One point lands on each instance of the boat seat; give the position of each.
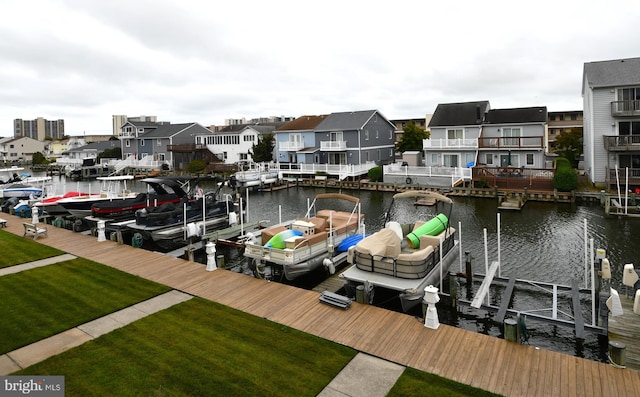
(382, 243)
(268, 233)
(320, 223)
(310, 240)
(434, 241)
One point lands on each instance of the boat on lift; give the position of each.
(410, 253)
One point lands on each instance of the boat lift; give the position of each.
(553, 314)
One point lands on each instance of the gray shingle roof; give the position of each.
(345, 121)
(98, 146)
(167, 130)
(536, 114)
(612, 73)
(464, 113)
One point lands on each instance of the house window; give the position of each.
(159, 142)
(630, 98)
(574, 117)
(435, 159)
(509, 160)
(488, 159)
(512, 134)
(561, 117)
(390, 134)
(450, 160)
(366, 135)
(552, 117)
(127, 143)
(529, 158)
(469, 158)
(455, 133)
(629, 128)
(377, 136)
(391, 153)
(142, 142)
(243, 156)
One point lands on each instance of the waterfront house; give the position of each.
(149, 144)
(20, 149)
(611, 100)
(232, 144)
(513, 138)
(343, 144)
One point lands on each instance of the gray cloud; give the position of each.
(206, 61)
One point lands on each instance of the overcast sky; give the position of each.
(205, 61)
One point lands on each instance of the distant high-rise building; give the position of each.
(38, 129)
(120, 119)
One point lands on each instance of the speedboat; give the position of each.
(21, 187)
(51, 206)
(172, 224)
(20, 191)
(112, 188)
(299, 246)
(403, 257)
(160, 190)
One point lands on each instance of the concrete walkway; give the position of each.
(38, 263)
(365, 375)
(41, 350)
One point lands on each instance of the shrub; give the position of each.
(565, 179)
(375, 174)
(196, 166)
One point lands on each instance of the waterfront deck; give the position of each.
(479, 360)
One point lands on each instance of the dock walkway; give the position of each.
(479, 360)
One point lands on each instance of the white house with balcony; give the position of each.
(611, 125)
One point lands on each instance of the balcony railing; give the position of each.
(524, 142)
(622, 143)
(186, 147)
(449, 143)
(625, 108)
(613, 177)
(333, 145)
(290, 146)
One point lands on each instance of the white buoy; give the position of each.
(606, 269)
(630, 276)
(101, 235)
(210, 249)
(431, 298)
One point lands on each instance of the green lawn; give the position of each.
(199, 348)
(17, 249)
(418, 383)
(41, 302)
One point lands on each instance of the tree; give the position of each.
(412, 138)
(569, 145)
(263, 150)
(38, 158)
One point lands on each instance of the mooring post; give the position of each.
(453, 290)
(467, 267)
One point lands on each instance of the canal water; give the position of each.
(542, 242)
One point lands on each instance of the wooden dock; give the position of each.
(626, 329)
(479, 360)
